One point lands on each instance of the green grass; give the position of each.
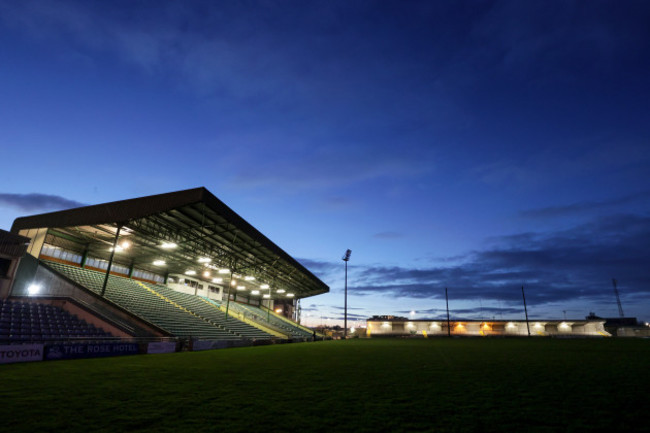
(355, 385)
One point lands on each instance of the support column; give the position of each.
(110, 261)
(228, 299)
(84, 257)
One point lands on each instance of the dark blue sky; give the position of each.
(474, 145)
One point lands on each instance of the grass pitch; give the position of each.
(338, 386)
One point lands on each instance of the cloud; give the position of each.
(562, 266)
(38, 202)
(388, 235)
(319, 266)
(584, 207)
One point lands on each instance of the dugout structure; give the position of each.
(188, 241)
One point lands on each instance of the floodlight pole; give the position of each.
(110, 260)
(525, 310)
(346, 259)
(448, 322)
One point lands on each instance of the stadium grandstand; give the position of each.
(176, 267)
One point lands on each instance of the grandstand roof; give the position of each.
(198, 222)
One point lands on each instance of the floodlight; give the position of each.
(205, 260)
(206, 274)
(278, 310)
(267, 296)
(125, 244)
(217, 280)
(224, 271)
(249, 278)
(280, 290)
(241, 287)
(168, 245)
(290, 295)
(33, 289)
(159, 263)
(346, 257)
(264, 286)
(255, 292)
(190, 272)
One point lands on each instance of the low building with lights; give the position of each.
(485, 328)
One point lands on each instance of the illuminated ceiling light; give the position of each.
(249, 278)
(159, 263)
(125, 244)
(255, 292)
(217, 280)
(224, 271)
(233, 283)
(279, 310)
(290, 295)
(168, 245)
(264, 286)
(190, 272)
(267, 296)
(206, 274)
(33, 289)
(205, 260)
(241, 287)
(280, 290)
(118, 249)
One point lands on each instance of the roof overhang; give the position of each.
(198, 222)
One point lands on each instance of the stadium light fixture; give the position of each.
(278, 310)
(33, 289)
(217, 280)
(117, 249)
(280, 290)
(159, 263)
(205, 259)
(224, 271)
(267, 296)
(125, 244)
(233, 283)
(190, 272)
(168, 245)
(290, 295)
(241, 288)
(249, 278)
(264, 286)
(346, 259)
(255, 292)
(206, 274)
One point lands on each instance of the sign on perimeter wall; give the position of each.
(74, 351)
(21, 353)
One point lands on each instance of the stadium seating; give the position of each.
(212, 313)
(179, 314)
(263, 316)
(22, 322)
